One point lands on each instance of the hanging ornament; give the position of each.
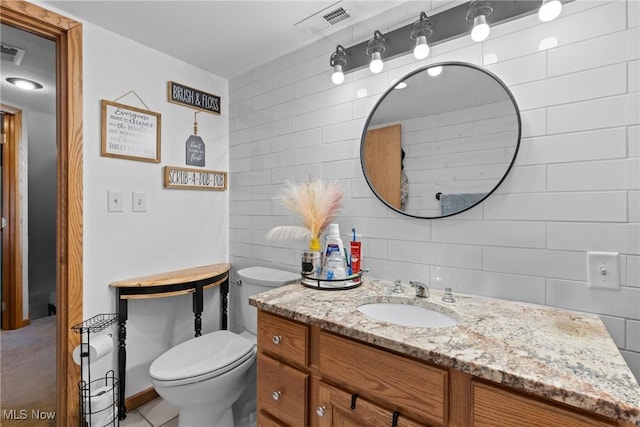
(195, 146)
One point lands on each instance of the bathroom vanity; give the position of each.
(322, 362)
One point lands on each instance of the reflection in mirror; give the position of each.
(443, 143)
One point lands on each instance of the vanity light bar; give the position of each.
(447, 25)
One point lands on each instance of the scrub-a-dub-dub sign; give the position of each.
(130, 133)
(194, 179)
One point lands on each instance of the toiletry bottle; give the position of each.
(335, 269)
(334, 244)
(356, 257)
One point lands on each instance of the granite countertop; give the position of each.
(564, 356)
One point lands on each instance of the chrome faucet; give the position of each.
(422, 290)
(397, 287)
(448, 296)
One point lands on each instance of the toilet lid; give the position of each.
(266, 276)
(206, 356)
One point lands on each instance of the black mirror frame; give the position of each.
(424, 69)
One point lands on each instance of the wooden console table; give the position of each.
(191, 280)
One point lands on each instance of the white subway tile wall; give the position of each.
(574, 188)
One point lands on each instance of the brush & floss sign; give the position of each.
(198, 100)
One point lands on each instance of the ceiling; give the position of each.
(224, 37)
(38, 64)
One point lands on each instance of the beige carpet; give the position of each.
(28, 374)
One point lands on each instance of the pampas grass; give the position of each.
(315, 202)
(288, 232)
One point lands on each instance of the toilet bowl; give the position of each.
(204, 376)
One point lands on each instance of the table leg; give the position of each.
(197, 308)
(224, 304)
(122, 354)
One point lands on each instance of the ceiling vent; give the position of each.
(326, 18)
(12, 53)
(336, 15)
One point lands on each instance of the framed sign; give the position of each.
(130, 133)
(194, 179)
(193, 98)
(195, 149)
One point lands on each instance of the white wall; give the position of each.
(181, 228)
(575, 185)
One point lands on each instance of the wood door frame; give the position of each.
(382, 161)
(12, 315)
(67, 34)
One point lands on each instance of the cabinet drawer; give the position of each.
(282, 391)
(496, 407)
(414, 389)
(265, 420)
(283, 338)
(337, 408)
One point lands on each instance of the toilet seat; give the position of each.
(202, 358)
(249, 336)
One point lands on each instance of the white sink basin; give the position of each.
(407, 315)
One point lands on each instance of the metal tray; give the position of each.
(351, 282)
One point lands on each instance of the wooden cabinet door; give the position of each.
(282, 391)
(408, 386)
(496, 407)
(336, 410)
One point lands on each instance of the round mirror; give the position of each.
(441, 140)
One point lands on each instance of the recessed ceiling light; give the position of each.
(24, 83)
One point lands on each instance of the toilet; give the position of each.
(204, 376)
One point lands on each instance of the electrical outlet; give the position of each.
(115, 202)
(603, 270)
(139, 202)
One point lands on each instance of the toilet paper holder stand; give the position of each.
(98, 398)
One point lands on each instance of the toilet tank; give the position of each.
(255, 280)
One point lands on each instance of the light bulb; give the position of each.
(338, 76)
(548, 43)
(376, 64)
(362, 93)
(549, 10)
(490, 58)
(480, 29)
(437, 278)
(421, 50)
(435, 71)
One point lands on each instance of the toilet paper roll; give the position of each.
(99, 408)
(98, 347)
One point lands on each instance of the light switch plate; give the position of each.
(603, 270)
(139, 202)
(115, 203)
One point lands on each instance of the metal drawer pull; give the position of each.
(394, 420)
(276, 339)
(320, 410)
(354, 397)
(276, 395)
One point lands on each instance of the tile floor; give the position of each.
(156, 413)
(159, 413)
